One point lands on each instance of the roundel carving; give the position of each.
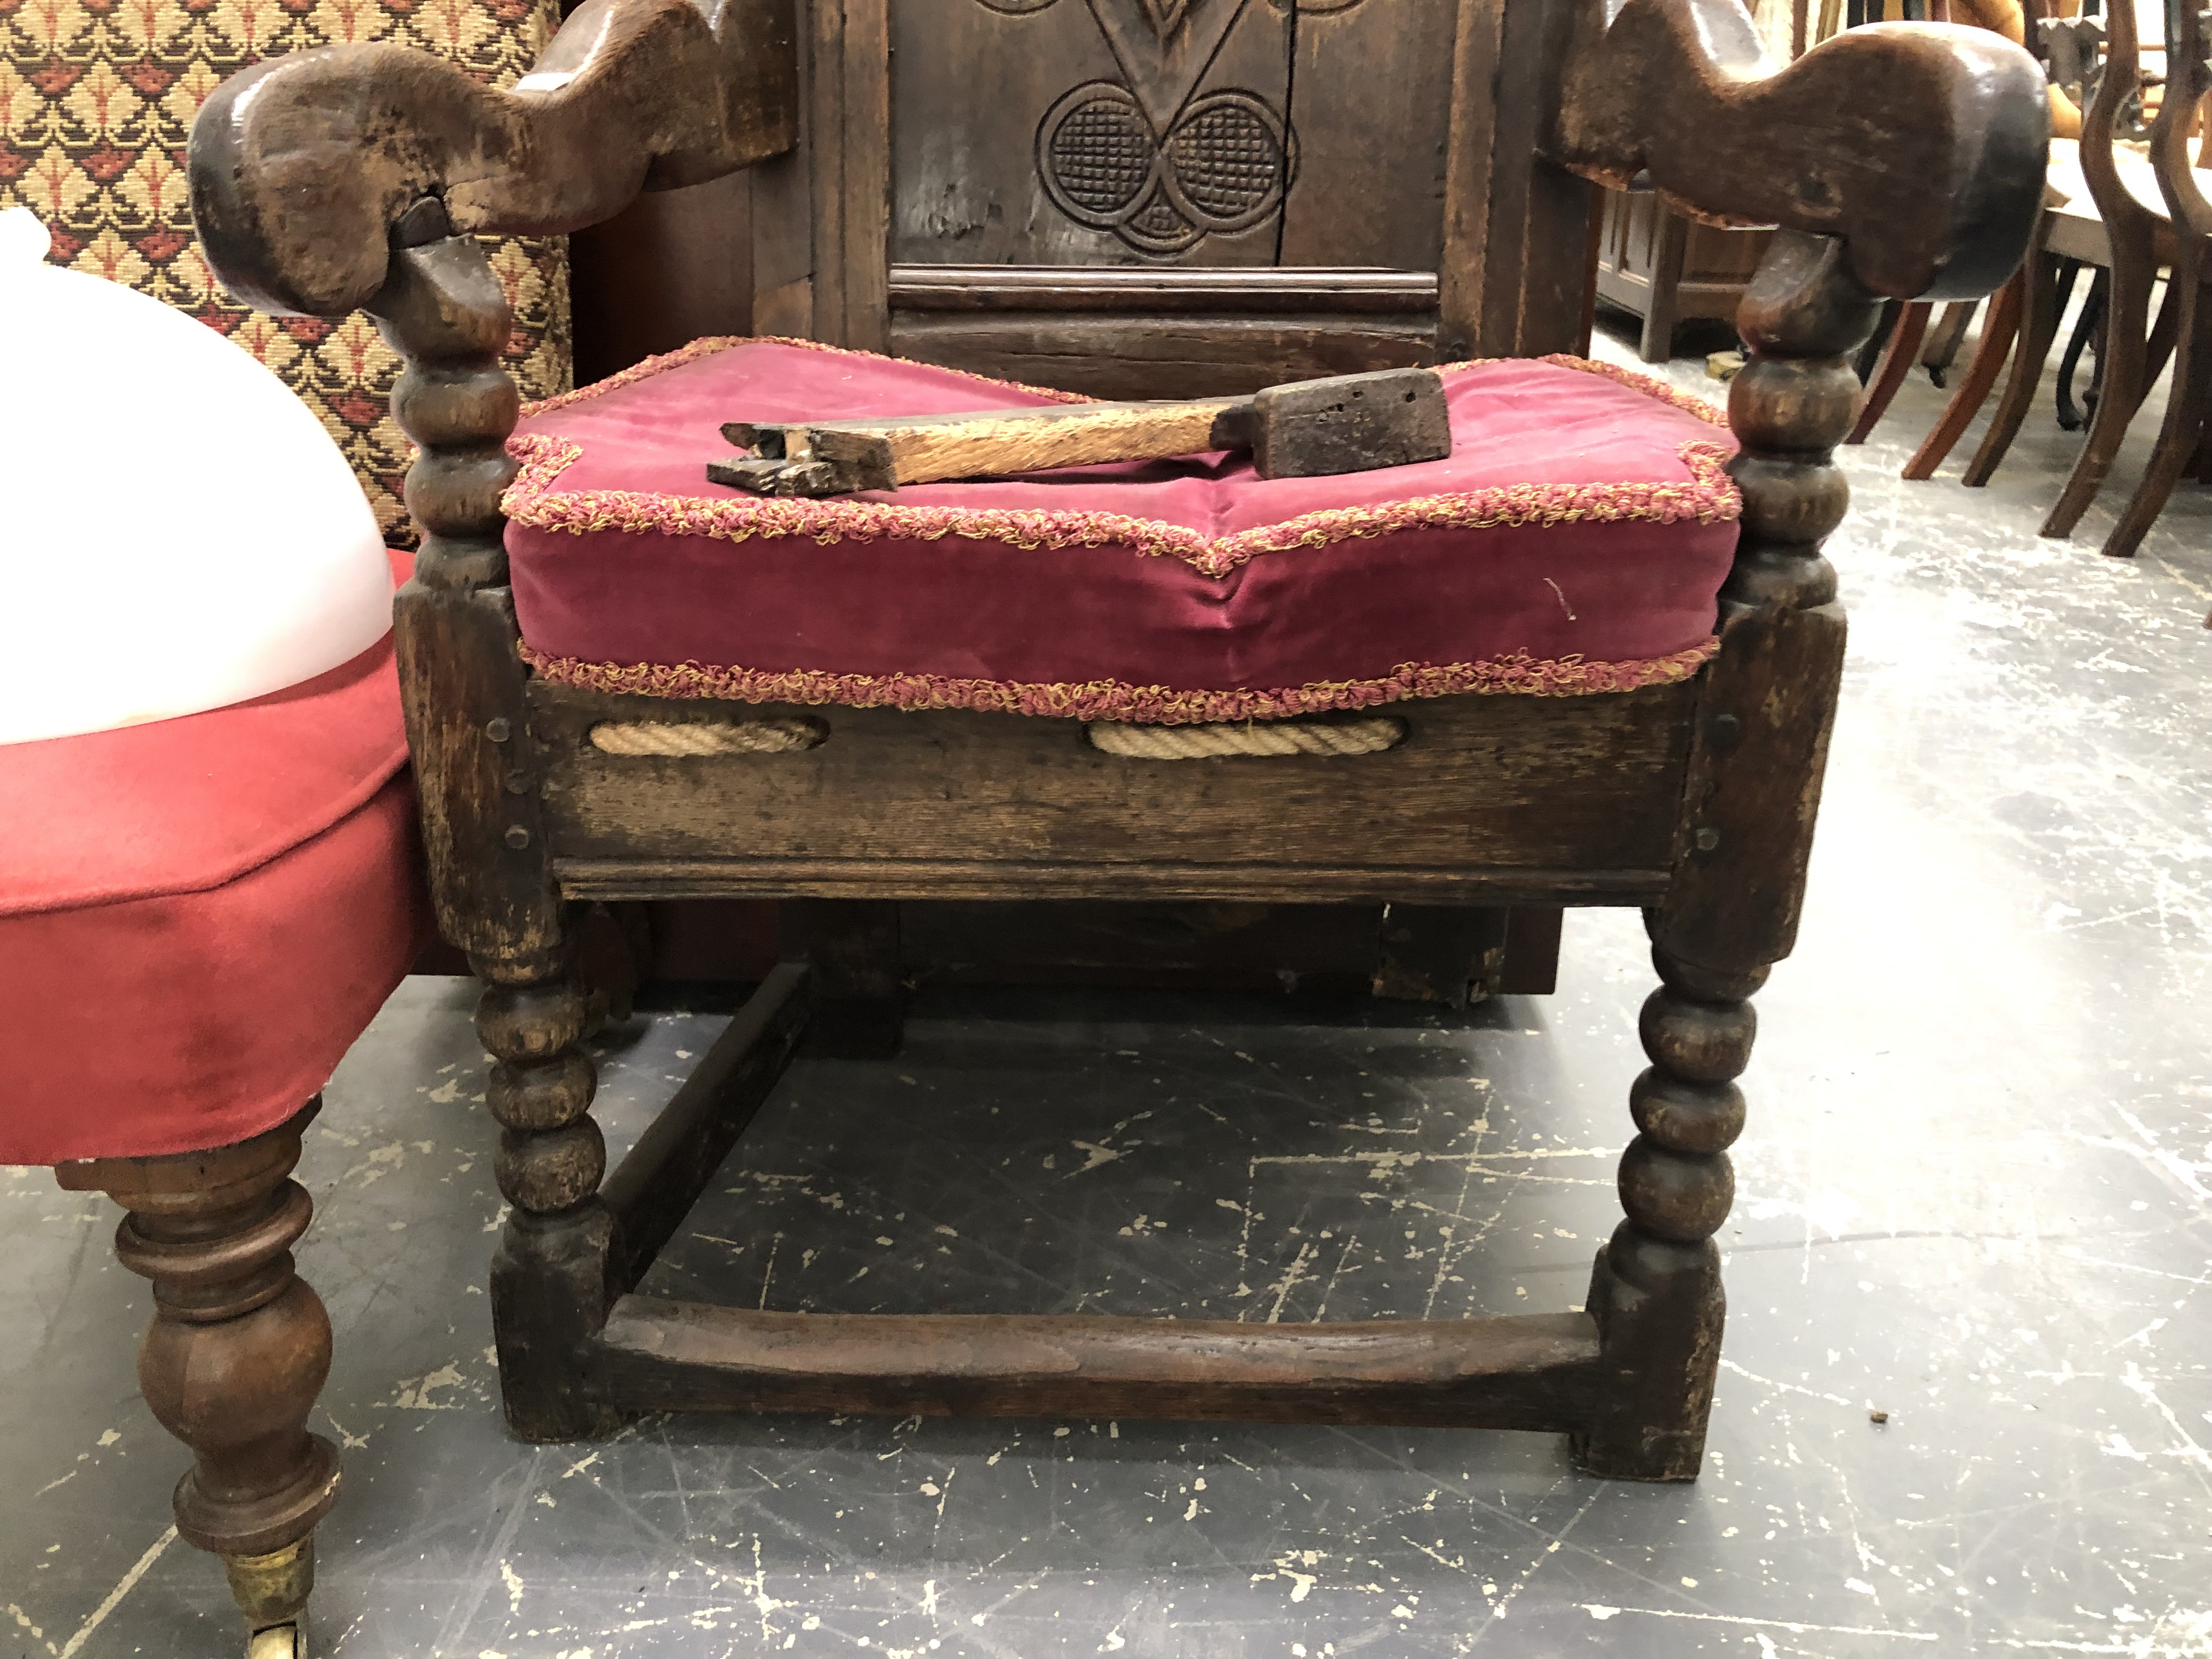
(1148, 157)
(1224, 165)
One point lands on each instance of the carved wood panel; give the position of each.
(1128, 131)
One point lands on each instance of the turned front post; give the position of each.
(479, 769)
(1754, 787)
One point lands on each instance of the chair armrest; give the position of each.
(1922, 145)
(302, 166)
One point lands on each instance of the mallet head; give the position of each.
(1348, 423)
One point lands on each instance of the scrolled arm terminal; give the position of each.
(300, 166)
(1923, 146)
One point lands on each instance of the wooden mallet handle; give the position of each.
(1346, 423)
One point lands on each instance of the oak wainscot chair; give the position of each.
(641, 686)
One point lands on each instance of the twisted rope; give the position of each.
(1364, 737)
(739, 737)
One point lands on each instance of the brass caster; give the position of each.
(271, 1590)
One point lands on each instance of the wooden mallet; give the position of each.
(1346, 423)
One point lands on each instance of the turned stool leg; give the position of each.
(549, 1277)
(237, 1350)
(1657, 1293)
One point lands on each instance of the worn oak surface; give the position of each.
(1516, 783)
(1534, 1371)
(1935, 209)
(1339, 423)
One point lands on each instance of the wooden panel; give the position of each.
(1056, 164)
(867, 175)
(1516, 228)
(1270, 947)
(848, 95)
(1503, 784)
(1715, 263)
(999, 879)
(1164, 291)
(825, 138)
(1188, 946)
(1161, 356)
(1154, 332)
(1531, 1371)
(1370, 191)
(672, 266)
(1723, 257)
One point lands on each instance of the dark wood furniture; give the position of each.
(2189, 402)
(2093, 217)
(354, 177)
(237, 1351)
(1657, 263)
(2129, 218)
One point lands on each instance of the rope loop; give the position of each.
(1360, 736)
(784, 736)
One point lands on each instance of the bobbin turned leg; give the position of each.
(1655, 1293)
(1752, 792)
(237, 1351)
(549, 1276)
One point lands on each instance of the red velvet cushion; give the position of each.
(185, 1020)
(197, 916)
(1574, 541)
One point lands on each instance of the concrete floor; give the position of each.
(1975, 1194)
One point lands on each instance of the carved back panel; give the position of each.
(1140, 198)
(1180, 132)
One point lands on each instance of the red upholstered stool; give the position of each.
(197, 916)
(1573, 542)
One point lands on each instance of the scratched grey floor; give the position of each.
(1977, 1195)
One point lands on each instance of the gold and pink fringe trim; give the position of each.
(1688, 401)
(1519, 675)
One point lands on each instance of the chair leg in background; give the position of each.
(2038, 327)
(2187, 403)
(1897, 360)
(237, 1350)
(1999, 327)
(1671, 247)
(2163, 328)
(1869, 359)
(1946, 336)
(2070, 417)
(2122, 355)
